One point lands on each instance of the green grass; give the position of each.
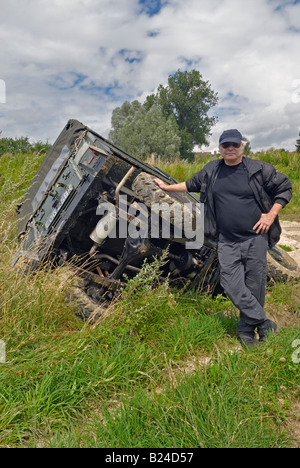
(163, 370)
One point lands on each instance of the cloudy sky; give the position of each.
(62, 59)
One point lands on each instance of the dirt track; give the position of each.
(290, 237)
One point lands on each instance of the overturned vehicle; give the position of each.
(96, 207)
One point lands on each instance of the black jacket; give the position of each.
(268, 185)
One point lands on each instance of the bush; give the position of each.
(21, 145)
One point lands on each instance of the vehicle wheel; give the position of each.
(149, 193)
(86, 308)
(92, 295)
(281, 266)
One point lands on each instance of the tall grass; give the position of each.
(163, 370)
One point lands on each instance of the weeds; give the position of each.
(127, 382)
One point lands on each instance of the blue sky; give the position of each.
(151, 7)
(82, 58)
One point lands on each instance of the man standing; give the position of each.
(242, 198)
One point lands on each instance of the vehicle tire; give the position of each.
(149, 193)
(85, 307)
(92, 295)
(281, 266)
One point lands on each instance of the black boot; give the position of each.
(265, 328)
(247, 340)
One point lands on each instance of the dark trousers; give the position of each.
(243, 268)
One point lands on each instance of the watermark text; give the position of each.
(2, 92)
(159, 221)
(296, 353)
(296, 93)
(2, 352)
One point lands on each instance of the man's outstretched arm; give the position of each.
(181, 187)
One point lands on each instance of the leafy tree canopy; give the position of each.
(21, 145)
(298, 145)
(247, 147)
(177, 112)
(144, 133)
(189, 99)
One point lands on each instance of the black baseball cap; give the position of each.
(232, 136)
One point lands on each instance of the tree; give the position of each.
(298, 145)
(188, 98)
(177, 112)
(14, 145)
(21, 145)
(247, 147)
(143, 133)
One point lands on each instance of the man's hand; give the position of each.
(181, 187)
(161, 184)
(267, 219)
(263, 225)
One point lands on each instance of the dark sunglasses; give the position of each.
(226, 145)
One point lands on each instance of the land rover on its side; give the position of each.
(81, 205)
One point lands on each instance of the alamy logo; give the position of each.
(180, 221)
(2, 352)
(2, 92)
(296, 93)
(296, 353)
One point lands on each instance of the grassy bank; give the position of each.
(164, 370)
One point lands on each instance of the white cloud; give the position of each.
(82, 58)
